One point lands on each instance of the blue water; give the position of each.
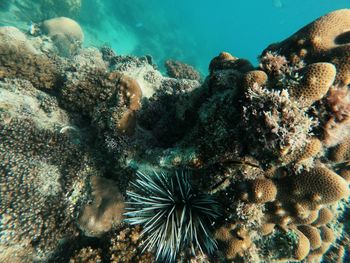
(194, 31)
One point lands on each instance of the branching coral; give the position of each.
(274, 122)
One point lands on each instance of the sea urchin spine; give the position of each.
(173, 214)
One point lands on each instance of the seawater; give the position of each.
(192, 31)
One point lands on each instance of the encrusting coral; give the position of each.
(270, 144)
(179, 70)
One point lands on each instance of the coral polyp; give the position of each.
(173, 213)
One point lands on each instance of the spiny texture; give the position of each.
(173, 214)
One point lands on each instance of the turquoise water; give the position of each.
(195, 31)
(190, 31)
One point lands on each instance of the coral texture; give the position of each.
(257, 158)
(179, 70)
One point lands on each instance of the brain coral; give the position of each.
(65, 33)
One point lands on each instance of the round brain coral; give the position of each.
(262, 191)
(315, 82)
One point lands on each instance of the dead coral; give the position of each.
(336, 127)
(87, 255)
(110, 100)
(273, 63)
(42, 172)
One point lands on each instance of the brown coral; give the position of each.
(255, 76)
(318, 186)
(180, 70)
(326, 39)
(313, 234)
(303, 247)
(262, 191)
(341, 152)
(105, 210)
(234, 240)
(324, 216)
(226, 61)
(315, 81)
(19, 59)
(130, 97)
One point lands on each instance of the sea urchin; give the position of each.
(173, 213)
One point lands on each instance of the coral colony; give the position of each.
(266, 151)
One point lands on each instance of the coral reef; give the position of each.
(179, 70)
(66, 34)
(19, 59)
(42, 173)
(252, 165)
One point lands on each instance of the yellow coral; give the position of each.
(316, 81)
(341, 152)
(313, 234)
(254, 76)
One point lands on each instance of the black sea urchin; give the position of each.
(173, 214)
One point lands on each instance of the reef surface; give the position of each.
(104, 159)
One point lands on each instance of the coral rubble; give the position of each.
(267, 149)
